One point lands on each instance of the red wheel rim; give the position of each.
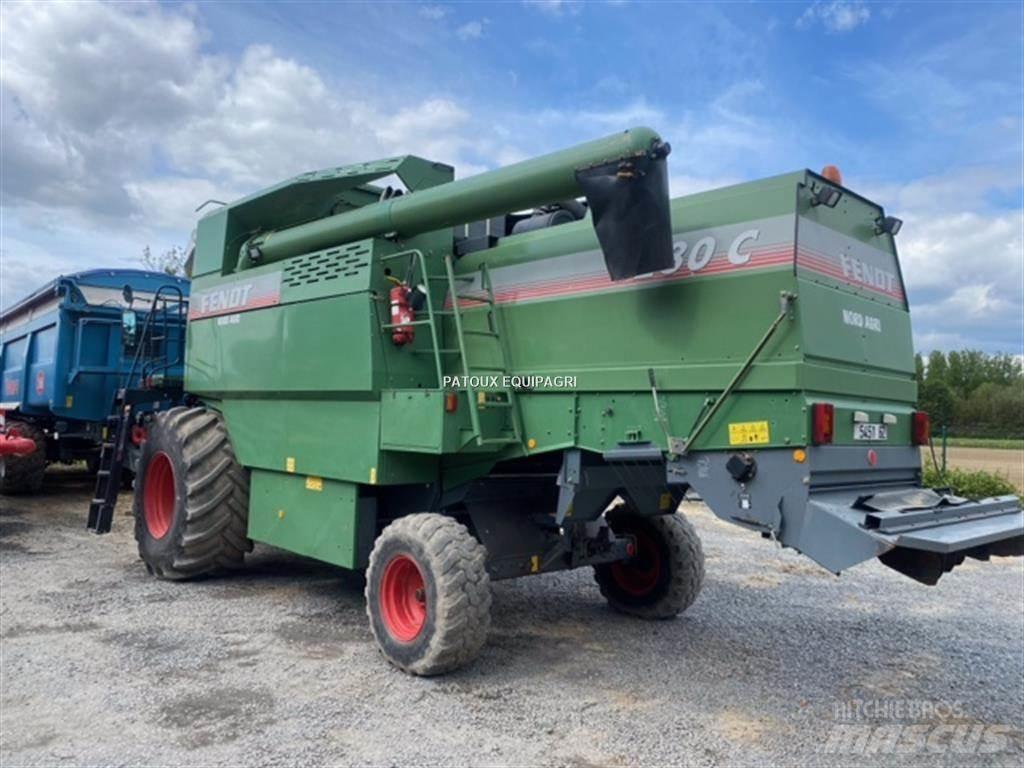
(639, 575)
(159, 495)
(403, 600)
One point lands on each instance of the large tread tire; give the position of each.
(455, 587)
(649, 592)
(24, 474)
(191, 498)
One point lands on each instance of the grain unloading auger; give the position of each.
(445, 390)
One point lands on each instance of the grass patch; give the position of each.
(1006, 443)
(974, 484)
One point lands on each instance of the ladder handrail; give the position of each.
(495, 330)
(180, 303)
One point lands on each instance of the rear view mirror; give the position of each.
(128, 294)
(129, 327)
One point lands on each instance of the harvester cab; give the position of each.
(443, 390)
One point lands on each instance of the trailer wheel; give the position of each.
(665, 575)
(192, 497)
(428, 595)
(24, 474)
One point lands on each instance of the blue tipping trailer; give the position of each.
(65, 352)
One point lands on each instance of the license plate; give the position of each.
(870, 431)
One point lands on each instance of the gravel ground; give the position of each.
(102, 664)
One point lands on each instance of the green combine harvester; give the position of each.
(452, 382)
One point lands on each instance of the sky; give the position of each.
(119, 119)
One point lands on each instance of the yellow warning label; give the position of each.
(373, 475)
(69, 401)
(665, 502)
(314, 483)
(289, 464)
(749, 433)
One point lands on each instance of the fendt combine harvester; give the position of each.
(436, 387)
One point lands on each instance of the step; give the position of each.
(482, 298)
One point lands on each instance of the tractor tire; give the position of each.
(428, 595)
(192, 497)
(664, 577)
(24, 474)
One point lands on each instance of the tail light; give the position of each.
(823, 423)
(921, 428)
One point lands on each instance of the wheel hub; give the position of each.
(159, 495)
(403, 602)
(639, 575)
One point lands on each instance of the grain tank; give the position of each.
(525, 371)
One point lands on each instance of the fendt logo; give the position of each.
(238, 296)
(228, 298)
(857, 271)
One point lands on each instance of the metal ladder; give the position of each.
(117, 427)
(479, 398)
(112, 456)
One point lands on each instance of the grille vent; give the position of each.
(346, 261)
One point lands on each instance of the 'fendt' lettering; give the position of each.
(216, 301)
(226, 299)
(857, 271)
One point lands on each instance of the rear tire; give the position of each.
(664, 577)
(428, 595)
(24, 474)
(192, 497)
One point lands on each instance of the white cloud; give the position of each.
(942, 251)
(962, 258)
(95, 93)
(556, 7)
(835, 16)
(25, 266)
(434, 12)
(116, 119)
(471, 30)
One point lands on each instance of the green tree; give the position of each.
(170, 262)
(937, 367)
(937, 399)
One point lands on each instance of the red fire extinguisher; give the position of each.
(401, 312)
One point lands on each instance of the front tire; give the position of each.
(192, 497)
(24, 474)
(428, 595)
(664, 576)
